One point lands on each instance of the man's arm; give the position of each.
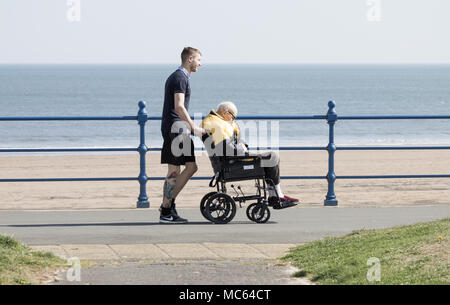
(184, 115)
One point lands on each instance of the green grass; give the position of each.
(415, 254)
(21, 265)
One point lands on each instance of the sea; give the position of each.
(303, 90)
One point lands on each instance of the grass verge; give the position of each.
(20, 265)
(414, 254)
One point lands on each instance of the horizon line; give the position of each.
(230, 63)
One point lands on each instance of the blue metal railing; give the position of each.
(331, 117)
(142, 149)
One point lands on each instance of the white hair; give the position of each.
(227, 105)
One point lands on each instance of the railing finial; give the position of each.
(331, 114)
(331, 104)
(142, 105)
(142, 113)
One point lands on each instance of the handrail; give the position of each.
(331, 117)
(393, 117)
(24, 150)
(142, 149)
(69, 118)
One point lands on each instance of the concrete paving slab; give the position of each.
(94, 251)
(231, 250)
(187, 251)
(273, 250)
(139, 251)
(167, 251)
(188, 272)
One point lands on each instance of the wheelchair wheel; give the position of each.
(203, 204)
(249, 210)
(260, 213)
(220, 208)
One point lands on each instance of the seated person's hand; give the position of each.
(242, 147)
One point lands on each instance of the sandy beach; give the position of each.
(123, 194)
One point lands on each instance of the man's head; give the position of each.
(227, 110)
(191, 59)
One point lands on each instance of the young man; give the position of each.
(176, 127)
(223, 139)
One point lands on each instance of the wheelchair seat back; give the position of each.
(235, 168)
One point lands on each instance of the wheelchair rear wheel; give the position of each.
(220, 208)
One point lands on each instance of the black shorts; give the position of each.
(182, 153)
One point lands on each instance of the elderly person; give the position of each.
(223, 139)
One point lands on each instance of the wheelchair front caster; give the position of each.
(220, 208)
(258, 212)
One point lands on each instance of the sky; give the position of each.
(232, 31)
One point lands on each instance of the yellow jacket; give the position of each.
(221, 133)
(220, 129)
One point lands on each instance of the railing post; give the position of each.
(142, 119)
(331, 176)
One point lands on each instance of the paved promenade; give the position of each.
(131, 236)
(141, 226)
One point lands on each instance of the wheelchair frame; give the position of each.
(219, 207)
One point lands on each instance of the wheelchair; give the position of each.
(220, 207)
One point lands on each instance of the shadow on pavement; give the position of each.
(128, 224)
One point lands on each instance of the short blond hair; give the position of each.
(188, 51)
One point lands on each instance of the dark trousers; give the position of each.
(271, 163)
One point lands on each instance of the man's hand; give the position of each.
(198, 131)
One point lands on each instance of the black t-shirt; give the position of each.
(178, 82)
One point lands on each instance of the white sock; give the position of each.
(278, 188)
(274, 191)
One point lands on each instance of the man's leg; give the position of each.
(184, 176)
(170, 185)
(271, 164)
(168, 212)
(175, 181)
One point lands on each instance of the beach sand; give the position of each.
(123, 194)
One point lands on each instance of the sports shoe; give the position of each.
(286, 197)
(169, 216)
(173, 209)
(280, 204)
(172, 219)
